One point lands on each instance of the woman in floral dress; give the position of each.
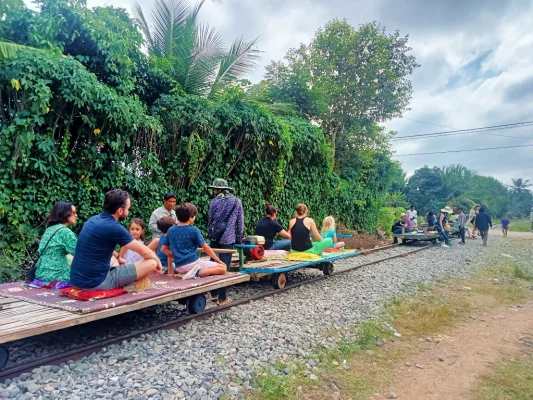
(57, 244)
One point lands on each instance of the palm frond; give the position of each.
(241, 59)
(138, 14)
(164, 25)
(204, 60)
(8, 50)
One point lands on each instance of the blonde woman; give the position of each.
(328, 231)
(472, 220)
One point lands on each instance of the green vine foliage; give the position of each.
(83, 111)
(66, 138)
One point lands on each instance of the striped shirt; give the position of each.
(461, 220)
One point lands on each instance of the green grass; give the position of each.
(510, 379)
(518, 225)
(522, 225)
(523, 272)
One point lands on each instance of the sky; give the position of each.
(475, 58)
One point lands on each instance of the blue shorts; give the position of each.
(118, 277)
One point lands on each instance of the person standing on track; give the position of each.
(441, 221)
(472, 219)
(482, 224)
(226, 227)
(167, 210)
(461, 220)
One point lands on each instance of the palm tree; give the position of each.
(455, 180)
(519, 185)
(194, 53)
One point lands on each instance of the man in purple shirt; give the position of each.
(406, 222)
(226, 227)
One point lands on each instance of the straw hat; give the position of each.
(447, 209)
(403, 215)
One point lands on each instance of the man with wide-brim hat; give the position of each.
(220, 184)
(226, 227)
(440, 223)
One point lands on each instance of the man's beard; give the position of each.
(122, 218)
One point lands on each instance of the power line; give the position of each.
(449, 127)
(464, 131)
(485, 132)
(463, 151)
(428, 123)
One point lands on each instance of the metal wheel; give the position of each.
(328, 268)
(433, 241)
(278, 281)
(4, 356)
(196, 304)
(404, 241)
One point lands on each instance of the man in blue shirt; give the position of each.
(91, 269)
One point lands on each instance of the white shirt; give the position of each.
(412, 213)
(156, 216)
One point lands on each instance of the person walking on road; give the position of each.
(482, 224)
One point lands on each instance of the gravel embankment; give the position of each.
(217, 356)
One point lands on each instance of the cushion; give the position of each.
(301, 256)
(91, 295)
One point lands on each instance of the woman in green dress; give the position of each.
(57, 244)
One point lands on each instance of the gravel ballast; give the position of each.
(217, 356)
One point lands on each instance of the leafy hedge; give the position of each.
(65, 135)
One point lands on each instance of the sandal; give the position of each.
(214, 299)
(222, 302)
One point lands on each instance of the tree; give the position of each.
(456, 179)
(360, 74)
(519, 185)
(193, 54)
(424, 189)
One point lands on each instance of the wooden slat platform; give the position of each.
(20, 319)
(260, 268)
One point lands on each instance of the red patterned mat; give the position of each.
(159, 285)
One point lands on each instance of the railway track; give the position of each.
(86, 350)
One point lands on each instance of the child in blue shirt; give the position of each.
(505, 224)
(164, 224)
(183, 240)
(328, 231)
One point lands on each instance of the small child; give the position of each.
(414, 223)
(138, 231)
(183, 240)
(164, 224)
(328, 231)
(505, 224)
